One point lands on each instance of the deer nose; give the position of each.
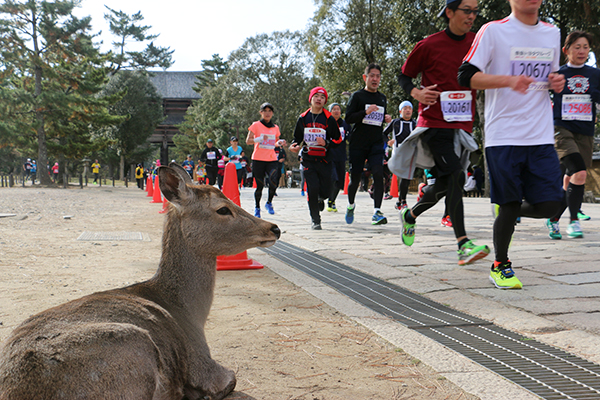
(276, 231)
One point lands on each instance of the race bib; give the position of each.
(375, 118)
(311, 135)
(211, 155)
(342, 133)
(268, 142)
(577, 107)
(535, 62)
(456, 106)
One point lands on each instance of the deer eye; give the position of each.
(224, 211)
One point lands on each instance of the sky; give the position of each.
(197, 29)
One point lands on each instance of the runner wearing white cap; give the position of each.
(400, 129)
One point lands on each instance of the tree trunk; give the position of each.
(42, 161)
(122, 167)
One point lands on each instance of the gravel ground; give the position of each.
(282, 342)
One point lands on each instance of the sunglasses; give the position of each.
(468, 11)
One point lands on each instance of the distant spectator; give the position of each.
(96, 171)
(139, 176)
(55, 172)
(201, 173)
(33, 171)
(27, 169)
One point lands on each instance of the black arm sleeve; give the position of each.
(465, 73)
(406, 83)
(354, 114)
(298, 132)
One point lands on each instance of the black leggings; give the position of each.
(573, 196)
(450, 186)
(265, 170)
(403, 186)
(504, 226)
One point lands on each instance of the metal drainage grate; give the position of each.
(544, 370)
(114, 236)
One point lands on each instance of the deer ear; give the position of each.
(172, 184)
(182, 172)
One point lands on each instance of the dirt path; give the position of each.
(282, 342)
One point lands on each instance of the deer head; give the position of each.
(211, 223)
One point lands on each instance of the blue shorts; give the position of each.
(530, 172)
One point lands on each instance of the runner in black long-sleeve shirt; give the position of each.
(367, 111)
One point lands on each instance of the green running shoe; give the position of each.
(553, 230)
(503, 277)
(574, 230)
(470, 253)
(408, 230)
(582, 217)
(331, 207)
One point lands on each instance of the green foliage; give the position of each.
(140, 109)
(272, 68)
(212, 70)
(51, 74)
(127, 28)
(347, 35)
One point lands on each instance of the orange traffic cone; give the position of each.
(165, 207)
(253, 183)
(346, 182)
(156, 198)
(230, 186)
(394, 186)
(149, 187)
(241, 260)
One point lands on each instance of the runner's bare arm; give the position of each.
(250, 138)
(426, 95)
(481, 81)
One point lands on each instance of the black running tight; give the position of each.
(504, 226)
(265, 173)
(450, 186)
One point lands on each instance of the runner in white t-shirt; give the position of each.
(515, 60)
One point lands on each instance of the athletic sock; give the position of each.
(465, 240)
(409, 218)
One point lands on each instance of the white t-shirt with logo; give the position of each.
(510, 47)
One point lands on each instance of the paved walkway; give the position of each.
(559, 304)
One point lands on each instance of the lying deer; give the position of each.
(144, 341)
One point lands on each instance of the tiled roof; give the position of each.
(175, 85)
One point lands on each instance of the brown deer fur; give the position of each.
(144, 341)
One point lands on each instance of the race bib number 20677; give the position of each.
(534, 62)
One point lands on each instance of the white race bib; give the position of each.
(535, 62)
(211, 155)
(342, 133)
(375, 118)
(456, 105)
(268, 142)
(311, 135)
(576, 107)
